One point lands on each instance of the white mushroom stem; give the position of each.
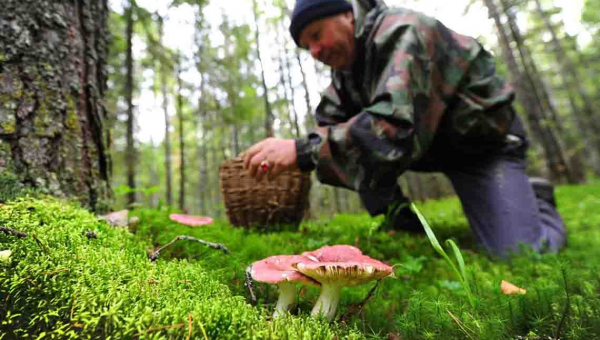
(328, 300)
(287, 298)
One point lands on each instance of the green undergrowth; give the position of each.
(74, 277)
(425, 300)
(106, 288)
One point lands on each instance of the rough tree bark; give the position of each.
(52, 83)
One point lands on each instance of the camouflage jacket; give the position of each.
(412, 79)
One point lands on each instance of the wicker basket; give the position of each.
(282, 201)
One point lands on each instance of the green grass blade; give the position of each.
(459, 257)
(460, 274)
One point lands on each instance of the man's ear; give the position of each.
(349, 16)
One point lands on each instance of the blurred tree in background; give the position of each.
(243, 80)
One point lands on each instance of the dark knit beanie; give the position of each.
(307, 11)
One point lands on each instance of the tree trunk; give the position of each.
(557, 161)
(522, 87)
(587, 123)
(165, 106)
(268, 113)
(182, 178)
(154, 182)
(309, 121)
(130, 152)
(293, 111)
(203, 187)
(282, 80)
(203, 184)
(235, 140)
(215, 158)
(52, 85)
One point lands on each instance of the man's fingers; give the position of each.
(274, 171)
(250, 153)
(254, 163)
(260, 173)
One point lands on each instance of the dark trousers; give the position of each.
(497, 199)
(502, 209)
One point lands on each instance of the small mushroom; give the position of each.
(191, 221)
(279, 270)
(117, 219)
(5, 255)
(336, 267)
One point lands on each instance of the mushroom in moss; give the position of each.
(191, 221)
(336, 267)
(5, 255)
(279, 270)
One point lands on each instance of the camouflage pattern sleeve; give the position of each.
(414, 70)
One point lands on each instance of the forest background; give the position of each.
(137, 103)
(130, 103)
(200, 71)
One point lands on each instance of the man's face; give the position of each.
(331, 40)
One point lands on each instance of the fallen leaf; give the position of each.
(392, 336)
(508, 288)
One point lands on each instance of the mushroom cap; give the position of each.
(337, 253)
(189, 220)
(342, 264)
(279, 268)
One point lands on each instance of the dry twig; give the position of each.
(160, 328)
(13, 232)
(189, 326)
(154, 256)
(357, 308)
(249, 283)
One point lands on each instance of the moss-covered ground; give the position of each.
(63, 284)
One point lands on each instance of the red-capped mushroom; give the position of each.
(189, 220)
(279, 270)
(337, 267)
(340, 252)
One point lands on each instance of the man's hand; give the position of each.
(270, 157)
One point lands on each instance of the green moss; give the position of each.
(9, 104)
(48, 67)
(11, 187)
(105, 287)
(68, 286)
(71, 122)
(7, 122)
(415, 306)
(16, 86)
